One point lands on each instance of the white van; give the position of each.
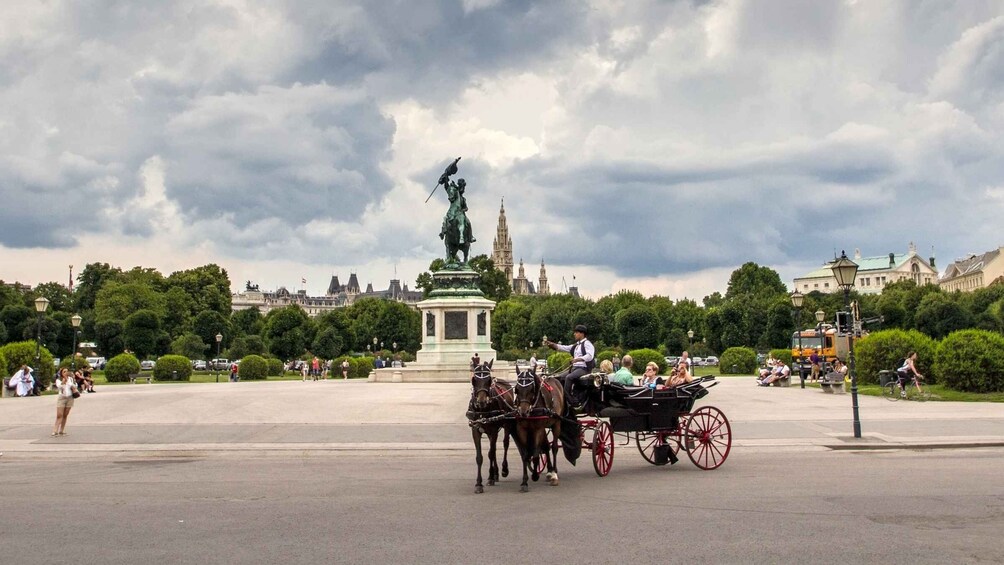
(96, 362)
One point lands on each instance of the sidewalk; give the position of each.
(286, 417)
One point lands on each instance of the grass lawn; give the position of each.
(197, 377)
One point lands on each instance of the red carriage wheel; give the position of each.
(603, 449)
(709, 437)
(648, 441)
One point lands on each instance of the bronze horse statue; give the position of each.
(540, 402)
(491, 400)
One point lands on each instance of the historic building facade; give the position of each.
(873, 273)
(975, 271)
(502, 257)
(337, 296)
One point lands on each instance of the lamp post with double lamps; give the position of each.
(845, 271)
(41, 305)
(75, 322)
(797, 298)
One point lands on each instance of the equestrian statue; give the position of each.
(456, 230)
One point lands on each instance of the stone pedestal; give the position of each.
(456, 324)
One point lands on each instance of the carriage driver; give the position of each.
(583, 359)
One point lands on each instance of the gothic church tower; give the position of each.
(542, 288)
(502, 246)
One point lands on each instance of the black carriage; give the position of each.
(661, 422)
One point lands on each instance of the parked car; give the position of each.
(220, 364)
(697, 361)
(711, 360)
(199, 365)
(672, 360)
(97, 363)
(146, 365)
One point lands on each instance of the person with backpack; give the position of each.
(583, 360)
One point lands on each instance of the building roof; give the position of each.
(880, 263)
(971, 264)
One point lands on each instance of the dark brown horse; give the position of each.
(491, 400)
(540, 403)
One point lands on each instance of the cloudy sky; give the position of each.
(653, 145)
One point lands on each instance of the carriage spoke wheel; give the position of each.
(648, 441)
(603, 449)
(709, 432)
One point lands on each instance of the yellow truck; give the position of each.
(825, 341)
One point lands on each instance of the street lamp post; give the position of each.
(797, 298)
(216, 365)
(845, 271)
(375, 341)
(75, 322)
(41, 305)
(690, 345)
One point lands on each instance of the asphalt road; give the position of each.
(761, 506)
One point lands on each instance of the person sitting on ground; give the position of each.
(908, 370)
(84, 380)
(652, 378)
(624, 375)
(22, 382)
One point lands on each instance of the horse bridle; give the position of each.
(528, 379)
(494, 391)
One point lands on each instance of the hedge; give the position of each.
(883, 350)
(782, 354)
(971, 361)
(557, 361)
(359, 367)
(607, 354)
(743, 358)
(118, 368)
(642, 357)
(274, 367)
(23, 353)
(67, 363)
(172, 367)
(253, 368)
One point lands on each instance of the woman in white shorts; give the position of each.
(67, 386)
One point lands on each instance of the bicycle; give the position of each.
(891, 391)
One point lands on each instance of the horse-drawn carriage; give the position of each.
(660, 422)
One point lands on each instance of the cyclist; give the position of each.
(908, 369)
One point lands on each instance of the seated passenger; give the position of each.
(680, 376)
(624, 375)
(607, 367)
(652, 378)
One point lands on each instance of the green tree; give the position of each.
(189, 345)
(940, 314)
(23, 353)
(89, 282)
(511, 326)
(328, 344)
(780, 325)
(638, 327)
(553, 318)
(18, 319)
(209, 323)
(365, 315)
(398, 323)
(116, 301)
(248, 321)
(208, 285)
(59, 297)
(142, 333)
(753, 280)
(494, 282)
(284, 332)
(109, 338)
(178, 311)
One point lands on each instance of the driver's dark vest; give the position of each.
(591, 364)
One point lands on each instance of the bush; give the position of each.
(118, 368)
(884, 350)
(643, 356)
(608, 354)
(406, 357)
(558, 361)
(361, 367)
(971, 361)
(172, 367)
(742, 358)
(782, 354)
(274, 367)
(23, 353)
(67, 363)
(509, 355)
(253, 368)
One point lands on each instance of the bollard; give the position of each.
(174, 375)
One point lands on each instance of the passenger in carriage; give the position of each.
(607, 366)
(624, 375)
(680, 376)
(652, 378)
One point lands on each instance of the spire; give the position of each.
(502, 246)
(542, 287)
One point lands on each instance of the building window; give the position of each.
(825, 285)
(816, 285)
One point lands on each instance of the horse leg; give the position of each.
(493, 466)
(524, 455)
(535, 455)
(476, 433)
(505, 452)
(553, 463)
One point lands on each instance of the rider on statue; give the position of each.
(456, 231)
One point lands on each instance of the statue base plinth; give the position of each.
(456, 282)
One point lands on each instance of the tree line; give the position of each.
(150, 314)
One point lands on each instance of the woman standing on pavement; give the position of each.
(67, 387)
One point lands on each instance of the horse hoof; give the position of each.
(535, 477)
(505, 472)
(479, 489)
(491, 482)
(524, 488)
(554, 481)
